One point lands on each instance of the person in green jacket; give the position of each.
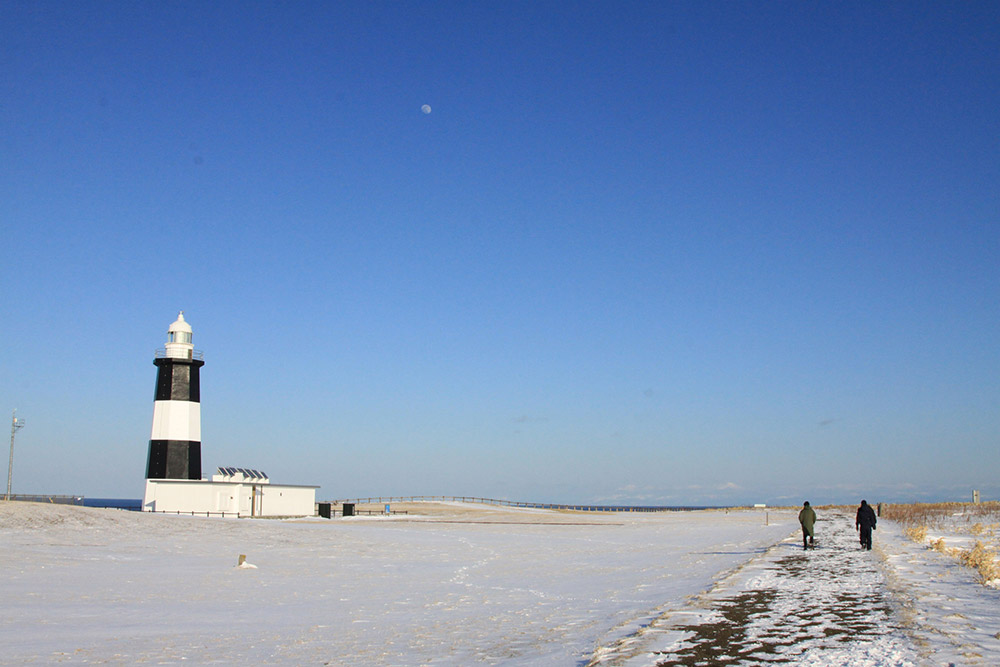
(807, 517)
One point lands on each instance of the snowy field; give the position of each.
(454, 585)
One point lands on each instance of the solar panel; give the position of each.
(246, 473)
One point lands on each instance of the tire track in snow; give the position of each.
(824, 606)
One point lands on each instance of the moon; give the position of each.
(426, 108)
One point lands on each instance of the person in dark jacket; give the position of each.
(807, 517)
(865, 524)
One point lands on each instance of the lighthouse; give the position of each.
(173, 469)
(175, 441)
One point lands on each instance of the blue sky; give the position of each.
(656, 253)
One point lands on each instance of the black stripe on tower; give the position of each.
(174, 459)
(178, 379)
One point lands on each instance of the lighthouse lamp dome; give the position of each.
(179, 343)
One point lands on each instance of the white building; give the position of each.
(232, 492)
(173, 467)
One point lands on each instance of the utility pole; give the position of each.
(15, 425)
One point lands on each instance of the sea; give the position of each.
(131, 504)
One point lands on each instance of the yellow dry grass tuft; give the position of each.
(982, 560)
(916, 533)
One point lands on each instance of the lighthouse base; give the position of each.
(174, 459)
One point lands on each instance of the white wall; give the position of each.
(280, 500)
(183, 496)
(201, 496)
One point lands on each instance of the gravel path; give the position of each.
(826, 606)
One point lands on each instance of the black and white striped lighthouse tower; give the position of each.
(175, 442)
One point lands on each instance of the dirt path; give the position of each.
(825, 606)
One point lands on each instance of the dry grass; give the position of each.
(981, 559)
(939, 514)
(916, 533)
(969, 519)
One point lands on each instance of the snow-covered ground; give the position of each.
(456, 586)
(953, 617)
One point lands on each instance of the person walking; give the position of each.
(807, 517)
(865, 524)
